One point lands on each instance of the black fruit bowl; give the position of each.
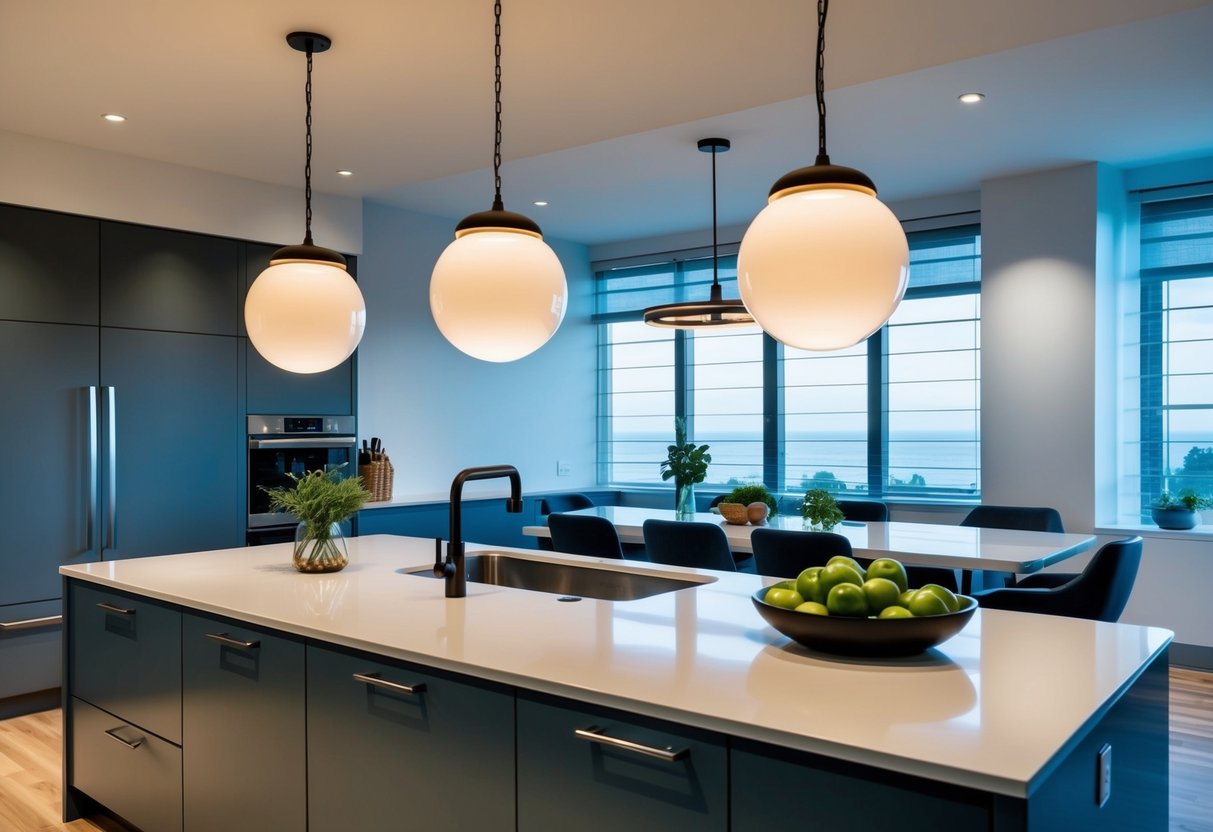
(873, 637)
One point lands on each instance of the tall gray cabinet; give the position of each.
(123, 378)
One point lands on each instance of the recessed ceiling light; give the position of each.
(114, 117)
(972, 98)
(540, 202)
(345, 173)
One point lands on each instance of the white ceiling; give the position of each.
(604, 101)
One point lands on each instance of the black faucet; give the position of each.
(453, 568)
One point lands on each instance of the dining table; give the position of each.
(966, 548)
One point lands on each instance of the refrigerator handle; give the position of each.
(111, 530)
(90, 514)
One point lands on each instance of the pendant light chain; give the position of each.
(307, 167)
(823, 6)
(497, 203)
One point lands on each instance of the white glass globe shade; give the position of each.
(304, 317)
(497, 294)
(823, 269)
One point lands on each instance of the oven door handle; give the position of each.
(317, 442)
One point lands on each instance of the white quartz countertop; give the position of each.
(988, 709)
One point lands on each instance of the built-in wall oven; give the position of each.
(279, 446)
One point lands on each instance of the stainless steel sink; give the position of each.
(567, 579)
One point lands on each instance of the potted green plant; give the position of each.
(751, 493)
(686, 464)
(321, 500)
(1178, 511)
(821, 510)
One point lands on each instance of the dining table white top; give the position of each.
(921, 544)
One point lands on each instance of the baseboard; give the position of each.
(1193, 656)
(28, 703)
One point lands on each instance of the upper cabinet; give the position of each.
(171, 281)
(274, 390)
(48, 267)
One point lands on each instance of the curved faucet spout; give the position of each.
(454, 570)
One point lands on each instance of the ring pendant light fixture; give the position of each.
(825, 263)
(498, 291)
(305, 313)
(716, 311)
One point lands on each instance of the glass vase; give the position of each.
(685, 505)
(319, 551)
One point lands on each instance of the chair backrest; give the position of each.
(717, 500)
(584, 535)
(677, 543)
(866, 511)
(1026, 518)
(563, 502)
(784, 553)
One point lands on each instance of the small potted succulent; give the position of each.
(821, 510)
(686, 464)
(1178, 511)
(321, 501)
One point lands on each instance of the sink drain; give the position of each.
(567, 598)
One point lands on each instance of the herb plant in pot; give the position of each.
(686, 464)
(321, 500)
(760, 503)
(1178, 511)
(821, 510)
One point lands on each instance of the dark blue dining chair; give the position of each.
(1099, 592)
(1026, 518)
(560, 502)
(586, 535)
(864, 511)
(784, 553)
(699, 545)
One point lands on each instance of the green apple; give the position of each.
(891, 569)
(895, 611)
(881, 593)
(924, 602)
(849, 561)
(809, 585)
(847, 599)
(789, 599)
(904, 598)
(834, 574)
(813, 608)
(946, 595)
(785, 585)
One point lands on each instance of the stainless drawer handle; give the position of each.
(375, 680)
(114, 609)
(224, 638)
(594, 734)
(112, 734)
(30, 623)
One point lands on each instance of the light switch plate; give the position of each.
(563, 468)
(1103, 776)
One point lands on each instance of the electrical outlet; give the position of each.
(1103, 775)
(563, 468)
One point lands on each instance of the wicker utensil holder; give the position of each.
(377, 478)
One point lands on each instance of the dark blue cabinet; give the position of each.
(393, 745)
(48, 267)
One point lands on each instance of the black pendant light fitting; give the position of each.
(716, 311)
(309, 43)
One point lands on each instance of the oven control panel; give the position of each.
(299, 425)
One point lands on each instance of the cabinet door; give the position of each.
(568, 781)
(379, 755)
(47, 370)
(180, 449)
(243, 728)
(48, 267)
(274, 390)
(168, 280)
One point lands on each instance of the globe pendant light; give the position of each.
(498, 291)
(716, 311)
(825, 263)
(305, 313)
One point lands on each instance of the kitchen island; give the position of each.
(485, 703)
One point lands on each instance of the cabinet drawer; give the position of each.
(131, 772)
(126, 657)
(574, 769)
(376, 751)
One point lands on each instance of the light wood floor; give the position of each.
(30, 749)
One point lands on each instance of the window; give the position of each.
(896, 415)
(1176, 347)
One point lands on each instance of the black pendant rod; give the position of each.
(823, 6)
(715, 255)
(307, 167)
